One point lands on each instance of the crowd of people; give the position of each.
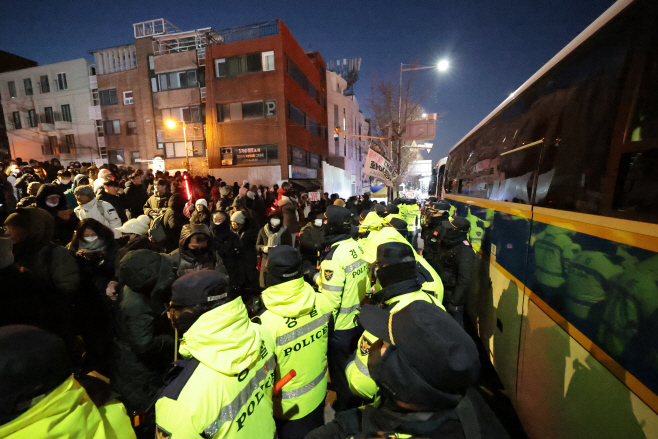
(141, 304)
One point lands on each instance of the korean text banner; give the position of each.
(378, 166)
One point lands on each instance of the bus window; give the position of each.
(645, 119)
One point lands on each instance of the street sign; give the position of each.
(158, 164)
(420, 130)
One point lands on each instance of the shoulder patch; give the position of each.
(176, 377)
(364, 346)
(328, 274)
(161, 433)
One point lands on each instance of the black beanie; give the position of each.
(33, 362)
(284, 264)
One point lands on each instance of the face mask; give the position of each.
(217, 224)
(90, 238)
(49, 204)
(275, 222)
(198, 251)
(65, 181)
(318, 223)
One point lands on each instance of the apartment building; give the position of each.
(46, 111)
(346, 154)
(266, 108)
(159, 77)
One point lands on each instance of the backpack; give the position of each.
(157, 232)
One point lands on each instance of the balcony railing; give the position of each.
(250, 32)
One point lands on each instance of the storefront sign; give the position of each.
(250, 154)
(302, 172)
(313, 160)
(297, 156)
(377, 166)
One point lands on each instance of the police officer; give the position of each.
(437, 213)
(425, 365)
(343, 279)
(40, 398)
(223, 388)
(454, 262)
(392, 232)
(395, 269)
(298, 318)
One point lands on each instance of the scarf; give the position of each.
(96, 246)
(274, 238)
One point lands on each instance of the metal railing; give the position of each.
(250, 32)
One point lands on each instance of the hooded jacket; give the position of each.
(284, 237)
(184, 261)
(52, 263)
(427, 275)
(298, 318)
(289, 209)
(71, 202)
(225, 390)
(108, 217)
(310, 240)
(68, 411)
(64, 228)
(372, 222)
(174, 220)
(143, 344)
(117, 201)
(228, 247)
(135, 196)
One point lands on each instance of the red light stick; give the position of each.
(283, 381)
(187, 187)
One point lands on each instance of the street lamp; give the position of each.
(171, 124)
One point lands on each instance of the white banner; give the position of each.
(314, 196)
(377, 166)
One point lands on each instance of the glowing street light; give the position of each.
(171, 124)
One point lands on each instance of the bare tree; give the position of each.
(391, 107)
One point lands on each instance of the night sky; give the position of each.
(493, 46)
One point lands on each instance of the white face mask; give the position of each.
(49, 204)
(66, 181)
(318, 223)
(216, 223)
(275, 222)
(90, 238)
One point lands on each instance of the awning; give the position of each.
(306, 185)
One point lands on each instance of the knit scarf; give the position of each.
(274, 238)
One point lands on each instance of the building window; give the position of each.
(11, 85)
(128, 97)
(247, 63)
(132, 128)
(252, 110)
(195, 148)
(27, 85)
(176, 80)
(313, 126)
(184, 114)
(134, 157)
(300, 78)
(223, 113)
(116, 156)
(268, 61)
(296, 115)
(48, 113)
(45, 85)
(69, 144)
(32, 118)
(61, 82)
(112, 127)
(17, 120)
(66, 113)
(108, 97)
(151, 63)
(51, 147)
(154, 84)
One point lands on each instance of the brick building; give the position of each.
(141, 85)
(266, 107)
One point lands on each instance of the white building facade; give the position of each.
(342, 170)
(47, 112)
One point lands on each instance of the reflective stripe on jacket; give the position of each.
(298, 319)
(229, 393)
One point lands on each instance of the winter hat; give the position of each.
(6, 256)
(134, 226)
(444, 357)
(245, 182)
(223, 191)
(392, 209)
(199, 287)
(201, 201)
(145, 219)
(104, 173)
(33, 188)
(242, 191)
(284, 264)
(458, 223)
(251, 195)
(238, 217)
(33, 362)
(339, 202)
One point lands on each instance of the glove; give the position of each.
(310, 274)
(266, 249)
(450, 308)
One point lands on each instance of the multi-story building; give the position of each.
(46, 109)
(266, 107)
(159, 77)
(346, 154)
(9, 62)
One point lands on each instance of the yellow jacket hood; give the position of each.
(290, 299)
(224, 339)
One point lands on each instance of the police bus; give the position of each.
(561, 184)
